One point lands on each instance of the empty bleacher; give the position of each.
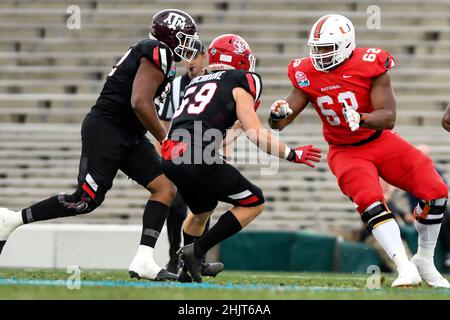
(50, 76)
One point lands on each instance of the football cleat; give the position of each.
(148, 269)
(429, 273)
(208, 270)
(173, 265)
(9, 221)
(407, 276)
(191, 262)
(211, 269)
(184, 276)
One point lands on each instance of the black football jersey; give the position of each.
(114, 102)
(209, 104)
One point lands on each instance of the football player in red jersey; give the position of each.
(446, 119)
(351, 91)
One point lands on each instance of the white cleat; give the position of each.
(429, 273)
(147, 269)
(9, 221)
(408, 275)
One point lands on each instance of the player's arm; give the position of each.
(296, 101)
(166, 125)
(446, 119)
(233, 133)
(146, 83)
(262, 138)
(383, 101)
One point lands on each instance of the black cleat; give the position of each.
(173, 265)
(134, 275)
(191, 262)
(184, 276)
(2, 244)
(163, 275)
(211, 269)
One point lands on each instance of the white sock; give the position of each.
(145, 252)
(388, 236)
(428, 235)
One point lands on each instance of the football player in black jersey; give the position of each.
(212, 104)
(113, 138)
(178, 209)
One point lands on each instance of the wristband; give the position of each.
(362, 119)
(274, 119)
(290, 156)
(287, 152)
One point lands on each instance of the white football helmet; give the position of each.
(334, 31)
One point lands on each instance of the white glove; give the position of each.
(280, 110)
(352, 117)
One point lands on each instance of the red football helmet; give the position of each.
(177, 29)
(230, 51)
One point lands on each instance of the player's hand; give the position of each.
(305, 155)
(280, 110)
(352, 117)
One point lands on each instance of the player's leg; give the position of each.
(188, 180)
(358, 179)
(445, 237)
(414, 172)
(143, 164)
(175, 219)
(100, 156)
(226, 184)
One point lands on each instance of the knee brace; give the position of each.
(80, 202)
(376, 214)
(430, 212)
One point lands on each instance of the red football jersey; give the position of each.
(350, 82)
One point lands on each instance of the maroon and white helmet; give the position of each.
(177, 29)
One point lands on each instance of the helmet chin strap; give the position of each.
(218, 67)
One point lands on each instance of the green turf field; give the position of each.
(45, 284)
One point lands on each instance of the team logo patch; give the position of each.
(175, 20)
(213, 51)
(239, 46)
(301, 79)
(172, 71)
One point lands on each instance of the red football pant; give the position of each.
(390, 157)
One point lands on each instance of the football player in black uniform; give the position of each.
(212, 103)
(113, 138)
(178, 209)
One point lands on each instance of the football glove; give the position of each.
(352, 117)
(280, 110)
(304, 155)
